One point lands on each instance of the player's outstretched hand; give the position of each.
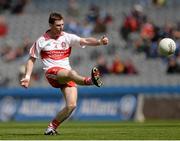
(25, 82)
(104, 40)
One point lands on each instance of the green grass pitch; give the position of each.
(74, 130)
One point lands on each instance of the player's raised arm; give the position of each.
(29, 67)
(93, 41)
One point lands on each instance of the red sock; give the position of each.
(54, 124)
(88, 81)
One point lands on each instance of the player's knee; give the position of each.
(72, 73)
(71, 107)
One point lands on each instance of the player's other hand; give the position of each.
(25, 82)
(104, 40)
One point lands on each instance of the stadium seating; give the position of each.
(34, 21)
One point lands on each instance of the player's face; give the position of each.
(58, 26)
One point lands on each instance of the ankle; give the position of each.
(54, 124)
(88, 81)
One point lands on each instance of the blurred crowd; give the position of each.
(142, 35)
(117, 66)
(95, 21)
(9, 52)
(138, 31)
(13, 6)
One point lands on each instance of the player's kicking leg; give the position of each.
(70, 75)
(70, 96)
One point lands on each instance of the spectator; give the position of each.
(139, 15)
(94, 54)
(93, 13)
(73, 26)
(10, 55)
(159, 3)
(130, 68)
(147, 30)
(86, 29)
(4, 5)
(3, 26)
(23, 49)
(178, 58)
(102, 65)
(105, 17)
(73, 8)
(18, 8)
(4, 81)
(173, 67)
(118, 66)
(100, 27)
(132, 22)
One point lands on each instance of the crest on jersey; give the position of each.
(63, 44)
